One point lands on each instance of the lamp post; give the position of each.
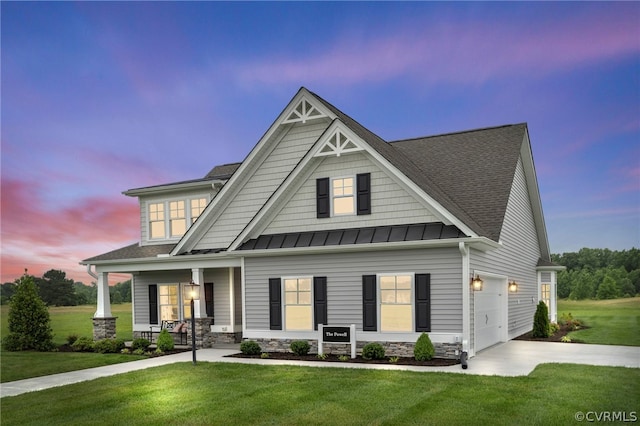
(193, 292)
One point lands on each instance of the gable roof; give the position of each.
(474, 168)
(469, 173)
(410, 169)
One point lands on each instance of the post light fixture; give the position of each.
(513, 287)
(193, 294)
(476, 283)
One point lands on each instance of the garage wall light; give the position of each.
(476, 283)
(513, 287)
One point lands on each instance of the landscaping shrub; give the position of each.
(541, 321)
(373, 350)
(250, 347)
(140, 343)
(165, 341)
(423, 350)
(71, 339)
(300, 347)
(83, 344)
(108, 346)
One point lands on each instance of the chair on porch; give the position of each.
(177, 329)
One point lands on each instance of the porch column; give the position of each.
(200, 307)
(204, 338)
(104, 324)
(104, 301)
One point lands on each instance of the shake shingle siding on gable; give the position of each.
(265, 180)
(390, 203)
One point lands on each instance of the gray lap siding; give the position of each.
(344, 273)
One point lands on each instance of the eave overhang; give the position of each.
(174, 187)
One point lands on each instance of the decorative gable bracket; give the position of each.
(338, 144)
(303, 112)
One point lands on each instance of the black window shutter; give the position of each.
(363, 182)
(369, 303)
(322, 198)
(423, 302)
(275, 304)
(208, 298)
(153, 304)
(319, 301)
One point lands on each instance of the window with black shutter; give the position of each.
(423, 302)
(323, 206)
(319, 301)
(153, 304)
(208, 298)
(275, 304)
(363, 183)
(369, 303)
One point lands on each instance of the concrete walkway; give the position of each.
(513, 358)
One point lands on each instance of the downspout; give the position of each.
(90, 272)
(466, 307)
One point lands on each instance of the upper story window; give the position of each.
(156, 220)
(178, 221)
(343, 196)
(197, 207)
(171, 219)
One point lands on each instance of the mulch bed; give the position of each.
(557, 337)
(334, 358)
(67, 348)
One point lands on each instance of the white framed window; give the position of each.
(343, 200)
(172, 218)
(177, 218)
(156, 220)
(168, 302)
(197, 207)
(298, 310)
(545, 294)
(396, 302)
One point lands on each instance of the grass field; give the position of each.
(611, 322)
(221, 394)
(65, 320)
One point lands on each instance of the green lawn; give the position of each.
(65, 320)
(219, 393)
(612, 322)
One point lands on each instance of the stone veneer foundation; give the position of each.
(104, 328)
(402, 349)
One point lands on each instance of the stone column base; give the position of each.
(104, 328)
(204, 338)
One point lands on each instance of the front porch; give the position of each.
(163, 296)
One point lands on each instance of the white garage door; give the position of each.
(488, 318)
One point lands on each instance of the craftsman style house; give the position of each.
(326, 223)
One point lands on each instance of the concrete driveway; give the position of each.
(513, 358)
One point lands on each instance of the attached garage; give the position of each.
(490, 312)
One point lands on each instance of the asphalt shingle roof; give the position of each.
(133, 251)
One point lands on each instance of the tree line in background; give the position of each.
(55, 289)
(590, 274)
(598, 274)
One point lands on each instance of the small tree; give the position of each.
(29, 322)
(541, 321)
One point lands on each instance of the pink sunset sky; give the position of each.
(101, 97)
